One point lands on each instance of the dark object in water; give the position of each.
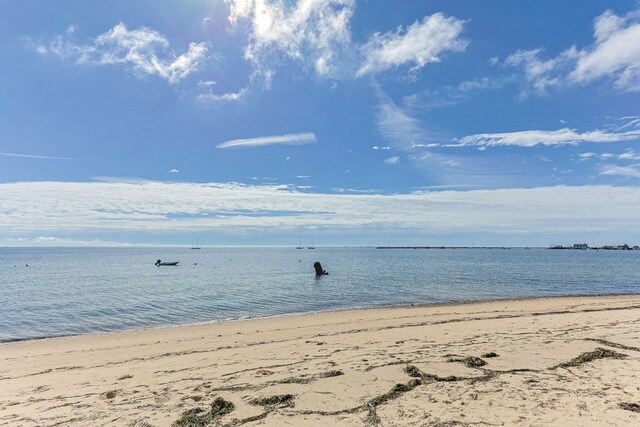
(319, 270)
(160, 263)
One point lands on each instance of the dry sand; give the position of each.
(344, 368)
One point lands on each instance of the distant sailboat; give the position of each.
(299, 244)
(311, 247)
(197, 246)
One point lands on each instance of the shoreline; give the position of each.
(307, 313)
(476, 362)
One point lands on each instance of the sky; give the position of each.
(337, 122)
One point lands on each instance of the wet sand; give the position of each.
(545, 361)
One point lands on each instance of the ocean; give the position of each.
(47, 292)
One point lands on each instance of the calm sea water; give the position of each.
(79, 291)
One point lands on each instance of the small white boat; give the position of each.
(159, 263)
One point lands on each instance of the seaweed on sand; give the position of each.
(271, 401)
(470, 361)
(195, 417)
(397, 391)
(589, 356)
(633, 407)
(414, 372)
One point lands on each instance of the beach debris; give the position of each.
(414, 372)
(397, 391)
(281, 400)
(633, 407)
(589, 356)
(319, 270)
(311, 378)
(221, 407)
(470, 361)
(329, 374)
(110, 394)
(195, 418)
(124, 377)
(490, 355)
(613, 344)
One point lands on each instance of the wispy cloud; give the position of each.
(397, 126)
(541, 75)
(34, 156)
(146, 51)
(614, 54)
(421, 43)
(287, 139)
(532, 138)
(632, 171)
(627, 155)
(224, 97)
(393, 160)
(451, 95)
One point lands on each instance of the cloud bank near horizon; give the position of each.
(39, 207)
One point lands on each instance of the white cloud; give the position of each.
(146, 51)
(632, 171)
(541, 74)
(34, 156)
(532, 138)
(65, 207)
(317, 33)
(288, 139)
(393, 160)
(375, 147)
(422, 42)
(615, 54)
(174, 171)
(483, 83)
(312, 31)
(627, 155)
(225, 97)
(586, 156)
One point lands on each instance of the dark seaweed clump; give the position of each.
(195, 417)
(277, 400)
(589, 356)
(633, 407)
(470, 361)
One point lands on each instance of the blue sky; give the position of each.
(339, 121)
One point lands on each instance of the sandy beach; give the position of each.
(548, 361)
